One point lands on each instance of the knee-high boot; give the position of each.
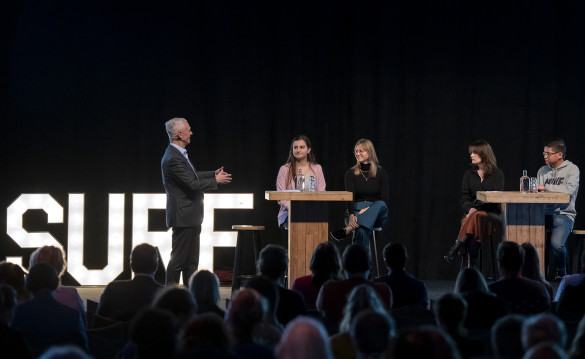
(454, 251)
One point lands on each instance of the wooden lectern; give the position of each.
(307, 225)
(523, 215)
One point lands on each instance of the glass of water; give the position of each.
(533, 185)
(312, 184)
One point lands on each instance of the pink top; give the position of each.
(283, 183)
(308, 290)
(70, 297)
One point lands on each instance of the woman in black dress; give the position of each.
(480, 219)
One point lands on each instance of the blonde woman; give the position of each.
(369, 183)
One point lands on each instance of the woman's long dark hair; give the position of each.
(291, 157)
(325, 264)
(488, 159)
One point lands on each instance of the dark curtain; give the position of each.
(87, 86)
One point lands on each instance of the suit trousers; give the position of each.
(184, 254)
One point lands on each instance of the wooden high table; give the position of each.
(523, 215)
(308, 225)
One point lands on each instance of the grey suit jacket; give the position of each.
(184, 189)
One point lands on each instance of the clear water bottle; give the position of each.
(300, 181)
(524, 182)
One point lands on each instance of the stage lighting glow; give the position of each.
(141, 203)
(15, 260)
(75, 241)
(210, 238)
(22, 204)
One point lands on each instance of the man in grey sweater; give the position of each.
(559, 175)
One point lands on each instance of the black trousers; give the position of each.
(184, 254)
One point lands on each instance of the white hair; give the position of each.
(172, 127)
(304, 338)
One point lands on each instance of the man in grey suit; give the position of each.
(185, 186)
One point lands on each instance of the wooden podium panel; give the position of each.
(307, 225)
(523, 215)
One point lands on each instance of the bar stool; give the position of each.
(578, 235)
(375, 252)
(492, 256)
(466, 260)
(238, 257)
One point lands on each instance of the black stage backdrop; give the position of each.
(87, 86)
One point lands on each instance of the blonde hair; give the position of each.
(54, 256)
(368, 146)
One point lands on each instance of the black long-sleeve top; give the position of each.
(372, 189)
(472, 183)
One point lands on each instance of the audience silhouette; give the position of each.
(382, 318)
(122, 299)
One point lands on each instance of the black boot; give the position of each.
(338, 235)
(453, 251)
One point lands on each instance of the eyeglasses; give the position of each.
(359, 151)
(548, 154)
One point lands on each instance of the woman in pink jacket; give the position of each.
(301, 158)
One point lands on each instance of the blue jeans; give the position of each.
(560, 226)
(375, 216)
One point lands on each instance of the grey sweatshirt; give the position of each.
(564, 179)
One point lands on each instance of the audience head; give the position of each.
(13, 275)
(325, 263)
(267, 289)
(371, 333)
(244, 313)
(395, 256)
(304, 338)
(54, 256)
(356, 260)
(510, 257)
(361, 298)
(144, 259)
(450, 311)
(470, 280)
(8, 302)
(204, 287)
(178, 301)
(42, 278)
(65, 352)
(205, 330)
(531, 265)
(577, 349)
(272, 262)
(545, 350)
(506, 337)
(425, 342)
(543, 327)
(153, 332)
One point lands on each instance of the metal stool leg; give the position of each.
(376, 253)
(236, 270)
